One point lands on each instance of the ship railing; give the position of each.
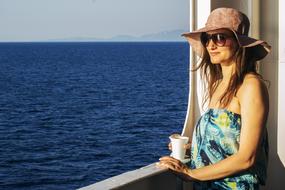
(146, 178)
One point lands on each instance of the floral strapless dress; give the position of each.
(216, 136)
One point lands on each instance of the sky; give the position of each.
(36, 20)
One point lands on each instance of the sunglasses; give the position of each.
(219, 39)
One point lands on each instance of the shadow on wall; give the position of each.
(269, 28)
(276, 170)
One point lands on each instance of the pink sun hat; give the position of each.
(238, 23)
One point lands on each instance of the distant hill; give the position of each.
(174, 35)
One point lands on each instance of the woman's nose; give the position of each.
(211, 44)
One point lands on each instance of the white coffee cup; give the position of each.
(178, 143)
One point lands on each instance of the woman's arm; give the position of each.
(253, 97)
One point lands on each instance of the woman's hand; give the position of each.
(176, 166)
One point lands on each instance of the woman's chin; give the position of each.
(215, 61)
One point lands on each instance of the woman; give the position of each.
(229, 145)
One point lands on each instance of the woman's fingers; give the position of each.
(169, 159)
(176, 166)
(166, 158)
(170, 146)
(170, 166)
(171, 163)
(187, 146)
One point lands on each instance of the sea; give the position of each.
(75, 113)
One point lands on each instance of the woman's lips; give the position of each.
(214, 53)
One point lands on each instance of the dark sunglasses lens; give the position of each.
(205, 38)
(219, 39)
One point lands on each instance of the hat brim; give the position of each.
(259, 47)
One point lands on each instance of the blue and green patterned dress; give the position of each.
(216, 136)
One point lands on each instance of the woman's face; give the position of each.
(221, 45)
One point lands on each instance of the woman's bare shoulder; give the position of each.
(253, 86)
(253, 81)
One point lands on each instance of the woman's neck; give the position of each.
(228, 71)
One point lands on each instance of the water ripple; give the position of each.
(72, 114)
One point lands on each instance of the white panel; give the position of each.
(281, 82)
(281, 32)
(203, 11)
(281, 111)
(199, 11)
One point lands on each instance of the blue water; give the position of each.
(72, 114)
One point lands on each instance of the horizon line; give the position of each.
(115, 41)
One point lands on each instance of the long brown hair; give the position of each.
(212, 74)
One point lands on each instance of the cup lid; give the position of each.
(178, 136)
